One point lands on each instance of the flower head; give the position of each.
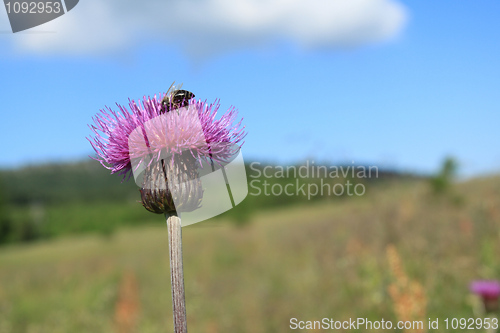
(486, 288)
(165, 142)
(135, 134)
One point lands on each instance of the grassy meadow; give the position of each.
(400, 252)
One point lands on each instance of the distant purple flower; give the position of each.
(489, 290)
(121, 135)
(486, 288)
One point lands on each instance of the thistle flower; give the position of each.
(164, 149)
(489, 290)
(175, 133)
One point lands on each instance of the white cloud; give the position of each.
(205, 26)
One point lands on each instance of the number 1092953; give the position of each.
(33, 7)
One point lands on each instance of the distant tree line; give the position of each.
(26, 193)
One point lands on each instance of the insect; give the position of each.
(175, 98)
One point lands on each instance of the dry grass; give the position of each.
(127, 304)
(408, 297)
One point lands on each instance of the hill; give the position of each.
(55, 199)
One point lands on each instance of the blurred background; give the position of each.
(410, 88)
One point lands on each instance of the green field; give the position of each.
(307, 261)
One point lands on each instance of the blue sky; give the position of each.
(398, 84)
